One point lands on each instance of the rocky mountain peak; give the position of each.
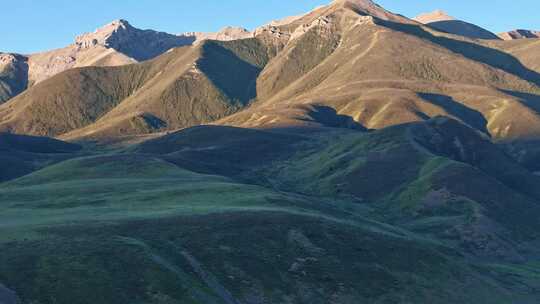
(103, 34)
(131, 41)
(369, 8)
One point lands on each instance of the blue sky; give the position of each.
(34, 25)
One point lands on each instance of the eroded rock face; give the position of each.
(13, 75)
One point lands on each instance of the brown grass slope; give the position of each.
(213, 80)
(348, 64)
(382, 72)
(184, 87)
(527, 51)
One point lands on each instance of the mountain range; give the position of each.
(346, 155)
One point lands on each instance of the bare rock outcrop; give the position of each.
(13, 75)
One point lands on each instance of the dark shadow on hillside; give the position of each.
(476, 52)
(237, 78)
(222, 150)
(328, 117)
(149, 44)
(35, 144)
(529, 100)
(469, 116)
(462, 28)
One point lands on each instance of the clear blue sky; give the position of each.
(34, 25)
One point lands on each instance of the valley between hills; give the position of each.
(347, 155)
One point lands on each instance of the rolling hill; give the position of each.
(346, 155)
(329, 211)
(20, 155)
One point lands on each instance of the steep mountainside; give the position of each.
(382, 73)
(115, 44)
(441, 21)
(350, 64)
(184, 87)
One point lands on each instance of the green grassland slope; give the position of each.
(420, 212)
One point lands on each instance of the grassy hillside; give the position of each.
(184, 87)
(477, 198)
(227, 215)
(163, 233)
(20, 155)
(352, 156)
(363, 65)
(382, 73)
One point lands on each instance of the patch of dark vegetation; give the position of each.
(222, 150)
(234, 67)
(467, 115)
(21, 155)
(328, 117)
(449, 138)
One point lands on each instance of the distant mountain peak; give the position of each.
(519, 34)
(131, 41)
(104, 33)
(435, 16)
(443, 22)
(120, 23)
